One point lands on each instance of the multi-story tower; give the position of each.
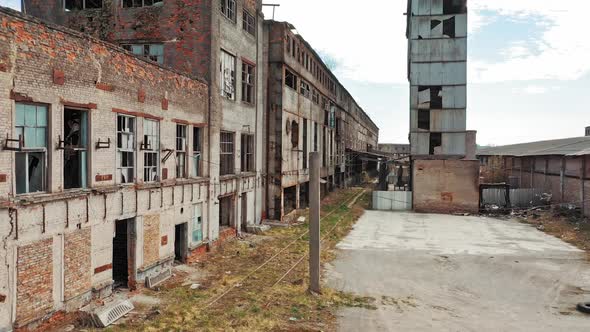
(219, 41)
(443, 179)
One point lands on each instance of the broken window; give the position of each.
(288, 42)
(125, 149)
(228, 9)
(31, 125)
(75, 148)
(449, 27)
(430, 97)
(82, 4)
(140, 3)
(435, 143)
(226, 157)
(151, 154)
(294, 134)
(181, 147)
(290, 79)
(305, 89)
(248, 79)
(249, 23)
(153, 52)
(315, 96)
(424, 119)
(454, 7)
(305, 144)
(247, 153)
(197, 151)
(227, 68)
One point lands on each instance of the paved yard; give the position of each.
(450, 273)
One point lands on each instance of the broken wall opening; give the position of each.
(289, 199)
(180, 242)
(454, 7)
(424, 119)
(226, 212)
(304, 195)
(121, 254)
(435, 143)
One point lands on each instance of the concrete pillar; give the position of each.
(314, 222)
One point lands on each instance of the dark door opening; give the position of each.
(226, 211)
(120, 255)
(244, 211)
(180, 242)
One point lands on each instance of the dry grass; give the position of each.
(254, 305)
(564, 224)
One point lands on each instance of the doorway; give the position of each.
(180, 242)
(226, 212)
(121, 254)
(244, 211)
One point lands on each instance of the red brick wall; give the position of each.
(151, 239)
(188, 23)
(34, 284)
(446, 186)
(77, 261)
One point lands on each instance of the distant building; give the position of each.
(587, 131)
(558, 167)
(442, 150)
(309, 111)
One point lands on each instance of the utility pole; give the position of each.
(314, 222)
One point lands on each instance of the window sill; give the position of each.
(44, 197)
(228, 177)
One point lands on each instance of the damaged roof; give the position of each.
(575, 146)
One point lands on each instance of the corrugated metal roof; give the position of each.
(576, 146)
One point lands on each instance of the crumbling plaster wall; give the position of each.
(103, 80)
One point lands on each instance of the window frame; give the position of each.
(249, 23)
(225, 153)
(248, 88)
(28, 151)
(83, 6)
(181, 144)
(146, 51)
(82, 147)
(295, 79)
(227, 11)
(226, 57)
(154, 2)
(132, 150)
(151, 150)
(197, 169)
(247, 153)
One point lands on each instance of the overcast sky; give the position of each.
(528, 63)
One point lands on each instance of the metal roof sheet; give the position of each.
(575, 146)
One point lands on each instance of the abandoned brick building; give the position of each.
(445, 173)
(133, 135)
(309, 111)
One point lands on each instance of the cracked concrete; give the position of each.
(453, 273)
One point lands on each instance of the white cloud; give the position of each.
(369, 39)
(560, 54)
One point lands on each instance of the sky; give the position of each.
(527, 63)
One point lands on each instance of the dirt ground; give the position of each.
(238, 292)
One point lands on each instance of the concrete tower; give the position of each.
(445, 177)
